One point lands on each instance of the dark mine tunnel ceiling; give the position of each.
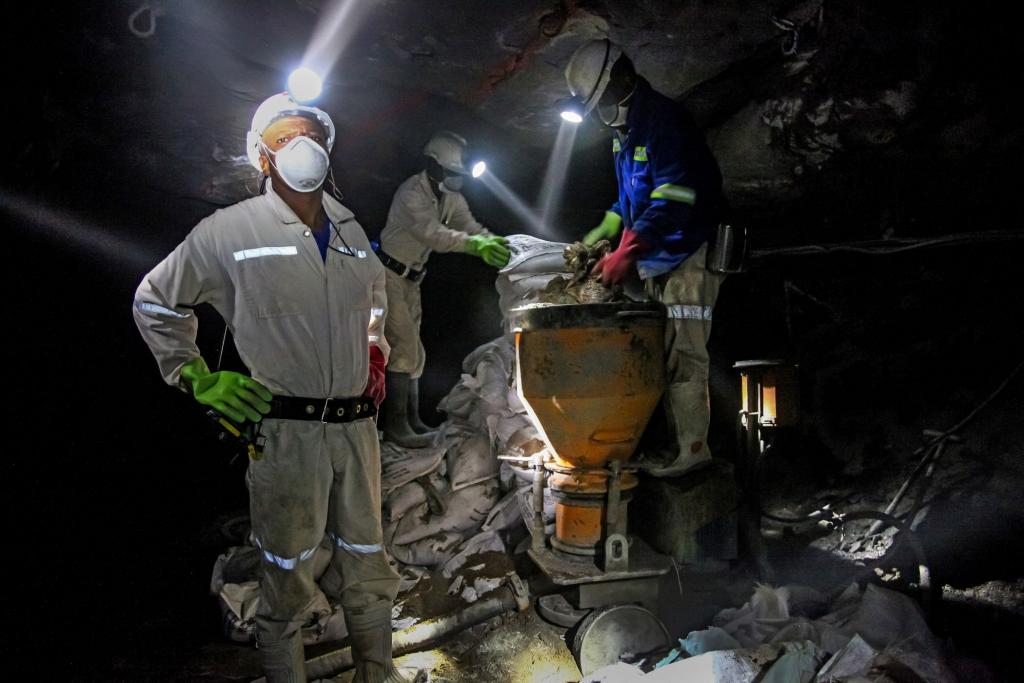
(794, 95)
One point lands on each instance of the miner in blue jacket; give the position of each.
(669, 204)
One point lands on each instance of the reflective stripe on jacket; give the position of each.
(302, 326)
(670, 186)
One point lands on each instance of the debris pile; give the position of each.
(794, 634)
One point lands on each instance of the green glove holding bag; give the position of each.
(237, 396)
(609, 228)
(493, 250)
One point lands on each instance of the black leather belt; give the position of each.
(322, 410)
(397, 266)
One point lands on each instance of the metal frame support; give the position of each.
(616, 545)
(538, 538)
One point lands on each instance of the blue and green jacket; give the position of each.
(670, 187)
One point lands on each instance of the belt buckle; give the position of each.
(327, 407)
(419, 278)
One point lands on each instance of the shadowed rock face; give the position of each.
(800, 99)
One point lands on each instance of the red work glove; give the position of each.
(375, 382)
(616, 266)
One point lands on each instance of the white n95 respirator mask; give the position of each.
(302, 163)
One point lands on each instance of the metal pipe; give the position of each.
(537, 528)
(931, 456)
(426, 634)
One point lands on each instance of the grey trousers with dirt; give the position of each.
(402, 326)
(689, 293)
(315, 478)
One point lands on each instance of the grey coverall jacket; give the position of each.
(419, 223)
(303, 327)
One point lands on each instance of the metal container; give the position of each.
(727, 250)
(590, 376)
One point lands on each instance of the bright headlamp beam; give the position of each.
(479, 168)
(304, 85)
(572, 109)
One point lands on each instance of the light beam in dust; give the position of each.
(338, 23)
(553, 187)
(516, 205)
(76, 233)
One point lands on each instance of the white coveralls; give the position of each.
(418, 223)
(302, 327)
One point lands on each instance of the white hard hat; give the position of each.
(275, 107)
(590, 69)
(447, 148)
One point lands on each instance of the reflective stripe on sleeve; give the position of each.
(354, 547)
(265, 251)
(684, 312)
(640, 154)
(147, 307)
(349, 251)
(284, 562)
(676, 193)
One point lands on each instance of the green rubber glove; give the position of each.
(233, 394)
(609, 228)
(493, 250)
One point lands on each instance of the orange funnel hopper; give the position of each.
(591, 375)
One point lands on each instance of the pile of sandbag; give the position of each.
(794, 635)
(458, 498)
(463, 497)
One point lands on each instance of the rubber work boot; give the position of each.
(284, 661)
(688, 416)
(395, 420)
(415, 421)
(369, 632)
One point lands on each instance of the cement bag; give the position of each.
(401, 465)
(503, 428)
(741, 666)
(466, 510)
(238, 564)
(533, 255)
(534, 263)
(485, 541)
(490, 367)
(619, 672)
(239, 603)
(429, 551)
(460, 400)
(505, 514)
(470, 462)
(401, 500)
(498, 350)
